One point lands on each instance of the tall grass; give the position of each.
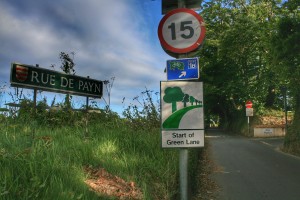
(40, 161)
(44, 153)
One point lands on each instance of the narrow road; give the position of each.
(253, 169)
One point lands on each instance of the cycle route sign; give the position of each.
(183, 69)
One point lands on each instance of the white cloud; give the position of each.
(109, 38)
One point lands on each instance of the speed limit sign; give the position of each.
(181, 30)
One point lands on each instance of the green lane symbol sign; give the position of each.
(182, 105)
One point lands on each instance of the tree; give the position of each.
(198, 102)
(192, 100)
(236, 56)
(186, 99)
(67, 67)
(173, 95)
(286, 54)
(67, 63)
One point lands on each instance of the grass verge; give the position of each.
(48, 163)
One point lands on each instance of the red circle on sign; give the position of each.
(249, 104)
(184, 28)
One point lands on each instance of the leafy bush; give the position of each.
(49, 164)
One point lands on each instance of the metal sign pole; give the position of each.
(248, 126)
(188, 43)
(35, 94)
(183, 173)
(87, 115)
(183, 152)
(34, 107)
(183, 165)
(181, 3)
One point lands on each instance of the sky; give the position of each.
(109, 38)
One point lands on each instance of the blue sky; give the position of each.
(110, 38)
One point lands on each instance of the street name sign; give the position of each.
(183, 69)
(27, 76)
(181, 30)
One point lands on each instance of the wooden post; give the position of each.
(285, 108)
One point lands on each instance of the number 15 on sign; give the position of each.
(181, 30)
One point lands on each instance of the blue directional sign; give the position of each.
(183, 69)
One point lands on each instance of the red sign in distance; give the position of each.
(249, 104)
(181, 30)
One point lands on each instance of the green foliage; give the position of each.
(186, 99)
(292, 141)
(145, 114)
(43, 115)
(286, 42)
(192, 100)
(286, 49)
(49, 164)
(173, 95)
(236, 57)
(67, 63)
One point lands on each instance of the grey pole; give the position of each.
(248, 126)
(184, 153)
(35, 93)
(183, 173)
(87, 115)
(181, 3)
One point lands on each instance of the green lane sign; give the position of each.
(182, 114)
(27, 76)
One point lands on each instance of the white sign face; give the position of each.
(181, 38)
(268, 131)
(182, 138)
(182, 105)
(181, 30)
(249, 112)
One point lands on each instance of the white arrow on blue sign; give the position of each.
(183, 69)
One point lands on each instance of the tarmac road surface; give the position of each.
(253, 169)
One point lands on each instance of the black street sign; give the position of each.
(27, 76)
